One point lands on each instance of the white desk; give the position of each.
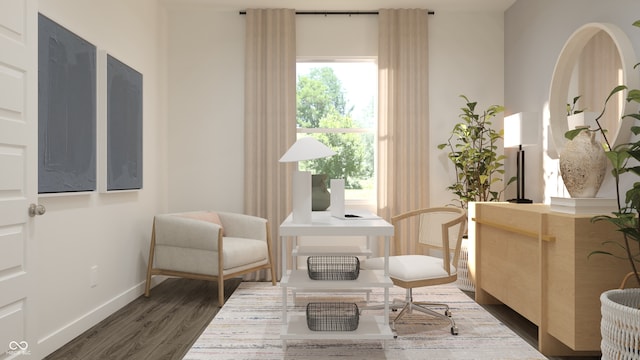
(323, 224)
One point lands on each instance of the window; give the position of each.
(337, 104)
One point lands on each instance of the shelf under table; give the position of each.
(366, 279)
(310, 250)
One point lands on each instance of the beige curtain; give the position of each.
(270, 117)
(403, 130)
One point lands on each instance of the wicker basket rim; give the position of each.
(623, 299)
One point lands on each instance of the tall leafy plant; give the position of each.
(624, 159)
(472, 148)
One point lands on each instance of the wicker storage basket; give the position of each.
(620, 324)
(332, 316)
(332, 267)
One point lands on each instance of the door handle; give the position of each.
(36, 210)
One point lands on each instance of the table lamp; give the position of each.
(521, 130)
(306, 148)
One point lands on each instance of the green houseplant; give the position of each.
(624, 159)
(620, 308)
(472, 149)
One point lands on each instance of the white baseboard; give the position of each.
(56, 339)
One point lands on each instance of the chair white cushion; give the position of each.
(409, 267)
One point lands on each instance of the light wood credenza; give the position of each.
(535, 261)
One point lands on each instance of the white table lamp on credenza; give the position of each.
(306, 148)
(521, 130)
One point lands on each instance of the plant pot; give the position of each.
(464, 281)
(620, 324)
(583, 165)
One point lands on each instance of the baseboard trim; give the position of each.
(56, 339)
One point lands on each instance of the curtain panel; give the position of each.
(403, 112)
(270, 118)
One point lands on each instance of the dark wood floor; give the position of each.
(161, 327)
(165, 325)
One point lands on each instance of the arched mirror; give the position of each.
(596, 58)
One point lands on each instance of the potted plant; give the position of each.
(472, 147)
(621, 307)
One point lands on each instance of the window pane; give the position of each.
(353, 161)
(345, 92)
(337, 104)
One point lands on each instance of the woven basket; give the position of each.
(464, 281)
(620, 324)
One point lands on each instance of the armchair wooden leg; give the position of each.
(273, 275)
(147, 286)
(152, 248)
(221, 291)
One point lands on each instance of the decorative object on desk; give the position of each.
(332, 316)
(583, 165)
(337, 198)
(520, 130)
(305, 148)
(320, 196)
(472, 150)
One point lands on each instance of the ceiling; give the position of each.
(358, 5)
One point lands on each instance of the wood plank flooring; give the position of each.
(165, 325)
(161, 327)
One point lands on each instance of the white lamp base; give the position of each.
(301, 197)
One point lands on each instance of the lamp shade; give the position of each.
(521, 129)
(306, 148)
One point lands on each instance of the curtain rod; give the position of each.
(337, 13)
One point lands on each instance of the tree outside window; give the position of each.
(336, 104)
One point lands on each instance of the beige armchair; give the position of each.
(209, 245)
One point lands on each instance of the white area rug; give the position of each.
(248, 327)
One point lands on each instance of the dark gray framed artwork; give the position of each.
(124, 126)
(66, 110)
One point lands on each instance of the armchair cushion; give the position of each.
(237, 253)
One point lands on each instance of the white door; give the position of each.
(18, 174)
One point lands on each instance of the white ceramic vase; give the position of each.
(583, 165)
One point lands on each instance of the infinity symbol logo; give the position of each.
(22, 345)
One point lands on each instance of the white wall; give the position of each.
(206, 92)
(535, 32)
(206, 89)
(110, 231)
(465, 58)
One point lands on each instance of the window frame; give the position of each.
(366, 198)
